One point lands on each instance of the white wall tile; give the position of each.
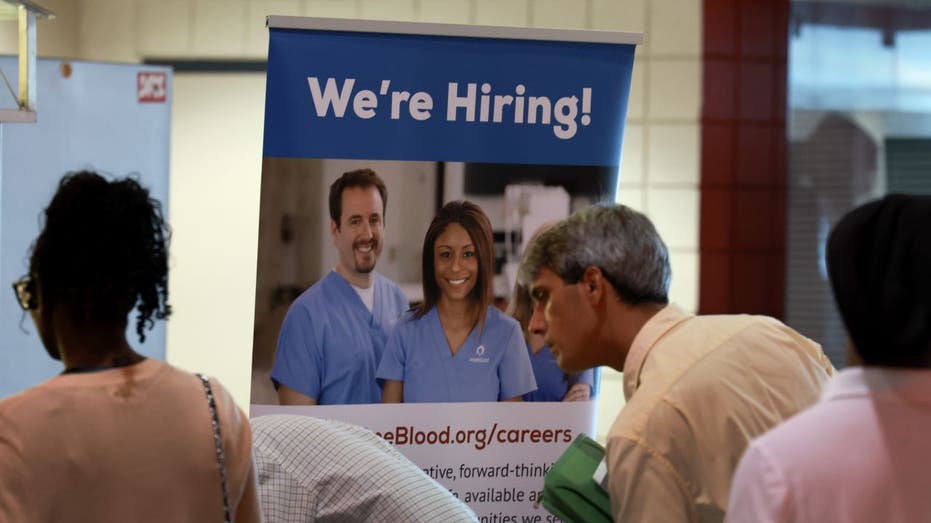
(565, 14)
(675, 88)
(610, 401)
(259, 9)
(619, 15)
(638, 83)
(402, 10)
(632, 152)
(445, 11)
(221, 262)
(163, 28)
(60, 36)
(9, 37)
(502, 12)
(331, 8)
(631, 196)
(107, 31)
(675, 213)
(675, 27)
(256, 33)
(609, 374)
(219, 28)
(683, 289)
(673, 154)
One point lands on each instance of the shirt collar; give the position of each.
(654, 329)
(909, 385)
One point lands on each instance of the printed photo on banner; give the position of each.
(342, 315)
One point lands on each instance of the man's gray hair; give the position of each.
(620, 241)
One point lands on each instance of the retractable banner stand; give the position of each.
(440, 112)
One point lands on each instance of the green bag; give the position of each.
(570, 490)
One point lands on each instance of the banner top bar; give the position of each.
(477, 31)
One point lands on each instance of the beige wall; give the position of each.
(215, 164)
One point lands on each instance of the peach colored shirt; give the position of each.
(126, 444)
(698, 389)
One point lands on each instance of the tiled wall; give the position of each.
(660, 167)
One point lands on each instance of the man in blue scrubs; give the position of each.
(335, 332)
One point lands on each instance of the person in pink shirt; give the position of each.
(116, 436)
(861, 453)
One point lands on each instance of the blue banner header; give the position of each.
(342, 94)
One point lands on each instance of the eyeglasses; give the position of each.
(25, 290)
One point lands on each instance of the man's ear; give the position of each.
(594, 284)
(334, 229)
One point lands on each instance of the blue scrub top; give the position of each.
(330, 344)
(491, 365)
(552, 382)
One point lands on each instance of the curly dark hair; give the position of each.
(103, 250)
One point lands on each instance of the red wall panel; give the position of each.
(743, 151)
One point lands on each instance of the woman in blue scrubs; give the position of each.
(456, 346)
(552, 383)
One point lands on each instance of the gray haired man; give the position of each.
(698, 388)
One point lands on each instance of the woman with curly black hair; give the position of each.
(116, 436)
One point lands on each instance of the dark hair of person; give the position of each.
(363, 178)
(879, 263)
(521, 307)
(102, 251)
(471, 217)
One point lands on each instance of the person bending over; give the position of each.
(313, 469)
(698, 388)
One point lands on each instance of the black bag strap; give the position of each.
(218, 444)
